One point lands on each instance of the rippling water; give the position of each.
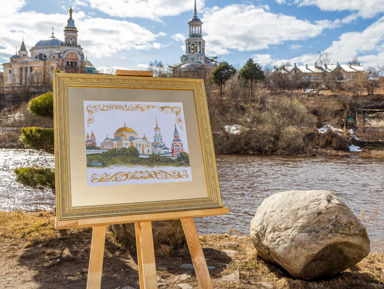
(14, 196)
(244, 181)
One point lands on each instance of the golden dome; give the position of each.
(125, 129)
(144, 138)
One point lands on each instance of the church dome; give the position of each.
(15, 56)
(49, 42)
(125, 129)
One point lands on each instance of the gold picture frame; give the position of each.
(121, 175)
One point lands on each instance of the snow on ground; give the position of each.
(353, 148)
(233, 129)
(325, 128)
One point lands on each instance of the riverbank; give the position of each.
(35, 255)
(377, 154)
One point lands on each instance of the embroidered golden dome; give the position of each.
(125, 129)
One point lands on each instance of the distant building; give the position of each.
(194, 56)
(316, 72)
(45, 57)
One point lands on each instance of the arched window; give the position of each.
(67, 63)
(75, 63)
(71, 63)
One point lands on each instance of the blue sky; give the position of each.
(131, 33)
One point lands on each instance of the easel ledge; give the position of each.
(139, 218)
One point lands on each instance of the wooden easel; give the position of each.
(144, 243)
(144, 237)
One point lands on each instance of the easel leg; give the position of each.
(197, 254)
(146, 255)
(96, 259)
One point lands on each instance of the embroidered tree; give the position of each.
(221, 74)
(40, 139)
(251, 72)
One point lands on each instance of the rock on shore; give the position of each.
(311, 234)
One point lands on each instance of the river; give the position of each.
(245, 181)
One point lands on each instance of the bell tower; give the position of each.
(70, 31)
(195, 44)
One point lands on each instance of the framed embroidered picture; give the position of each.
(132, 145)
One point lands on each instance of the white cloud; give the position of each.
(150, 9)
(367, 45)
(99, 37)
(365, 8)
(247, 28)
(178, 37)
(296, 47)
(262, 59)
(10, 7)
(112, 69)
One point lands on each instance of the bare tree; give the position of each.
(354, 61)
(324, 58)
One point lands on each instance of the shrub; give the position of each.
(291, 142)
(38, 138)
(42, 105)
(38, 178)
(332, 140)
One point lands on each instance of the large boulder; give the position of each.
(311, 234)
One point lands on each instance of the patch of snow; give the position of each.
(325, 128)
(233, 129)
(353, 148)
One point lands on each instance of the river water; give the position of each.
(245, 181)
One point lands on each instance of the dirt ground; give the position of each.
(33, 255)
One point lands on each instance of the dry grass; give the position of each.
(31, 228)
(10, 139)
(22, 117)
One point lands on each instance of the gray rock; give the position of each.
(230, 253)
(185, 286)
(311, 234)
(264, 285)
(181, 278)
(231, 278)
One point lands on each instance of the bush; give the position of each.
(38, 138)
(38, 178)
(332, 140)
(291, 142)
(42, 105)
(271, 125)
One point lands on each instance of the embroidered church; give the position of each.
(126, 137)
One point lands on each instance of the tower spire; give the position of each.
(195, 11)
(22, 47)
